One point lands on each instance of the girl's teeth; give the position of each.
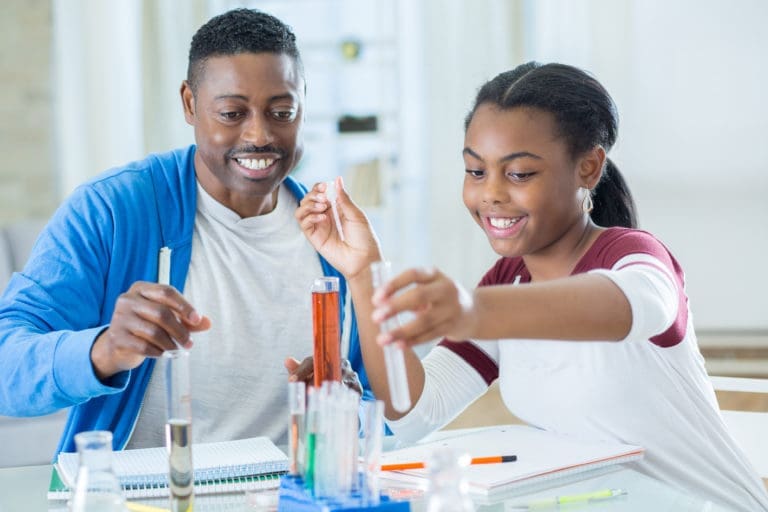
(501, 223)
(255, 164)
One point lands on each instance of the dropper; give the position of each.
(332, 194)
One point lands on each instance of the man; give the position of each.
(101, 296)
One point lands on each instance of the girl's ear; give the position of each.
(591, 167)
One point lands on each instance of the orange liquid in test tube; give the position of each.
(326, 329)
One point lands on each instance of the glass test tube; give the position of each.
(399, 394)
(311, 439)
(178, 429)
(373, 434)
(297, 406)
(326, 319)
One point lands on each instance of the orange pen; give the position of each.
(496, 459)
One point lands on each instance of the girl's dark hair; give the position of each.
(586, 117)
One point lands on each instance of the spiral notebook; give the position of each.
(541, 456)
(229, 466)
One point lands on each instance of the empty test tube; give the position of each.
(399, 394)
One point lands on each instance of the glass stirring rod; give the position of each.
(399, 394)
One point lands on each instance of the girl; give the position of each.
(586, 318)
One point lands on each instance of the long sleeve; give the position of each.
(444, 370)
(50, 314)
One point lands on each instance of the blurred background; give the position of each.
(91, 84)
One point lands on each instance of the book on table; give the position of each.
(228, 466)
(541, 456)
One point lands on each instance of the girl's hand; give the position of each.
(359, 247)
(442, 307)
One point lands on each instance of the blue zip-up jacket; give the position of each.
(104, 238)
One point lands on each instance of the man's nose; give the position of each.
(257, 131)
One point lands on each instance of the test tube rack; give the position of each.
(294, 497)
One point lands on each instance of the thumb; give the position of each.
(291, 364)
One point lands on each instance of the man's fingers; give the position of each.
(170, 297)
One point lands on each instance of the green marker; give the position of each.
(555, 502)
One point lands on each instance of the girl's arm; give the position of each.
(602, 305)
(353, 256)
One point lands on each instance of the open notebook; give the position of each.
(245, 464)
(540, 455)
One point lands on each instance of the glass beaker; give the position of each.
(97, 487)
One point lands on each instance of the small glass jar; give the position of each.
(97, 487)
(448, 490)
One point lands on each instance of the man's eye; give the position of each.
(230, 116)
(475, 173)
(285, 115)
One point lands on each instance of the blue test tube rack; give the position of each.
(293, 497)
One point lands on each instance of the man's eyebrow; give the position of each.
(278, 97)
(507, 158)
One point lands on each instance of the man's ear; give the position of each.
(188, 102)
(591, 167)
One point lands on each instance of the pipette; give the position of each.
(394, 360)
(332, 195)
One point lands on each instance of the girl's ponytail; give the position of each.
(613, 203)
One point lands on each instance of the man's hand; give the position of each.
(148, 319)
(304, 371)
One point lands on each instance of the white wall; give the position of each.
(689, 78)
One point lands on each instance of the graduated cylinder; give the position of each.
(326, 329)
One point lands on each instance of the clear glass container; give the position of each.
(448, 490)
(97, 487)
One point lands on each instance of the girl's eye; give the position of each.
(520, 176)
(475, 173)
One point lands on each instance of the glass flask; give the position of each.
(448, 490)
(97, 487)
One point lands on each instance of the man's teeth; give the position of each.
(501, 223)
(255, 164)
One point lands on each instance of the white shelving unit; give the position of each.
(371, 84)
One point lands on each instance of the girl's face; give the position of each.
(521, 184)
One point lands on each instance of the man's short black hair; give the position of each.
(239, 31)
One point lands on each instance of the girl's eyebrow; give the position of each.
(507, 158)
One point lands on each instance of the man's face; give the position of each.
(247, 114)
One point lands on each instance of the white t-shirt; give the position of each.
(252, 277)
(650, 389)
